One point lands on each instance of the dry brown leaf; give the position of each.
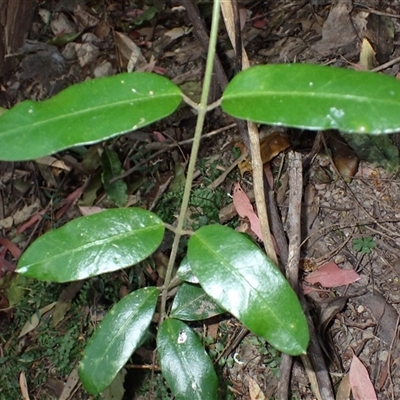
(84, 17)
(338, 33)
(367, 55)
(129, 51)
(177, 32)
(255, 390)
(23, 386)
(21, 215)
(69, 387)
(86, 53)
(270, 147)
(60, 24)
(64, 302)
(343, 156)
(33, 322)
(344, 389)
(53, 162)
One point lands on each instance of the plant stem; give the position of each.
(202, 109)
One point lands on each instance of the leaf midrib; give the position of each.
(79, 113)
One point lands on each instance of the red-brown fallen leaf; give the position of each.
(11, 247)
(330, 275)
(311, 289)
(35, 218)
(259, 23)
(245, 209)
(159, 137)
(70, 201)
(360, 383)
(6, 265)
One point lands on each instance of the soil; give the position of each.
(339, 209)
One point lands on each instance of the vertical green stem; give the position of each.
(202, 110)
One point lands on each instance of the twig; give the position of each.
(201, 34)
(223, 176)
(202, 110)
(254, 141)
(390, 356)
(235, 343)
(315, 360)
(386, 65)
(293, 218)
(292, 268)
(276, 224)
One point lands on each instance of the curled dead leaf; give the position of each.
(343, 156)
(271, 146)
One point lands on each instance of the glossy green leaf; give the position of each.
(116, 338)
(184, 272)
(185, 364)
(244, 281)
(92, 245)
(116, 191)
(315, 97)
(116, 390)
(192, 303)
(86, 113)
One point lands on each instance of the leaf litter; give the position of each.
(362, 327)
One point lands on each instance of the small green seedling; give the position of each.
(364, 244)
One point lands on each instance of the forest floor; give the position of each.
(350, 213)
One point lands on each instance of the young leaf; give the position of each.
(116, 191)
(364, 244)
(86, 113)
(116, 338)
(243, 280)
(315, 97)
(185, 364)
(192, 303)
(92, 245)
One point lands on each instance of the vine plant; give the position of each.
(223, 269)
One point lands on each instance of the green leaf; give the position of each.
(116, 390)
(185, 364)
(245, 282)
(184, 272)
(116, 191)
(64, 38)
(364, 244)
(117, 337)
(92, 245)
(192, 303)
(315, 97)
(376, 149)
(86, 113)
